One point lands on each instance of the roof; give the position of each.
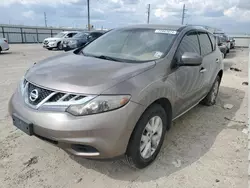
(156, 26)
(170, 27)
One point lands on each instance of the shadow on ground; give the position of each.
(5, 53)
(231, 54)
(190, 137)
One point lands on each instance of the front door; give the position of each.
(189, 79)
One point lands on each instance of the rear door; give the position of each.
(189, 80)
(210, 59)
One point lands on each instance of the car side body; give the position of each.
(4, 46)
(166, 82)
(56, 41)
(222, 46)
(225, 40)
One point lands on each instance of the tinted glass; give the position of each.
(81, 35)
(136, 45)
(206, 46)
(213, 40)
(189, 43)
(60, 35)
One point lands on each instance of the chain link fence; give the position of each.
(27, 34)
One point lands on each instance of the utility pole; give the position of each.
(148, 13)
(183, 14)
(45, 19)
(88, 16)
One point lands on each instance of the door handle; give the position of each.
(203, 70)
(217, 60)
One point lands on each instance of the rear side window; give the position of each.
(213, 40)
(189, 43)
(206, 46)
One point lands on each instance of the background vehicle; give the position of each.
(80, 39)
(56, 41)
(232, 41)
(225, 40)
(120, 93)
(222, 46)
(4, 46)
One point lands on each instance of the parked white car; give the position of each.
(56, 41)
(4, 46)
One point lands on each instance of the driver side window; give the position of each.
(189, 43)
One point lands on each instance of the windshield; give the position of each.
(81, 35)
(137, 45)
(59, 35)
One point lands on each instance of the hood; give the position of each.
(49, 39)
(84, 75)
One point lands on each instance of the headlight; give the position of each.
(98, 105)
(22, 84)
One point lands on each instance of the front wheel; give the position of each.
(213, 93)
(147, 137)
(59, 46)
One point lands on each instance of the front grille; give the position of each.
(56, 97)
(69, 97)
(42, 94)
(36, 95)
(46, 42)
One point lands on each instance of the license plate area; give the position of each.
(23, 125)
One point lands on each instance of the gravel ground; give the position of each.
(205, 148)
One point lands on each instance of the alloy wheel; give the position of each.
(151, 137)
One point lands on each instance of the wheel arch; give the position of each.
(220, 74)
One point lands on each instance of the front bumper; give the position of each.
(107, 132)
(5, 47)
(50, 45)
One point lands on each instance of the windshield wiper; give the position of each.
(104, 57)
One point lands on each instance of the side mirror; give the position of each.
(190, 59)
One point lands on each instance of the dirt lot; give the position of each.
(205, 148)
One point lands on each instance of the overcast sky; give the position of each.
(232, 16)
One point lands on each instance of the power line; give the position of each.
(45, 19)
(148, 13)
(183, 14)
(88, 16)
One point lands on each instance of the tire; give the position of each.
(210, 99)
(0, 49)
(225, 55)
(59, 46)
(134, 156)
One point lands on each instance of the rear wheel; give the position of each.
(213, 93)
(147, 137)
(0, 49)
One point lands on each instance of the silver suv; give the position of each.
(119, 94)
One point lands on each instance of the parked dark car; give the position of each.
(232, 42)
(222, 46)
(81, 39)
(224, 40)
